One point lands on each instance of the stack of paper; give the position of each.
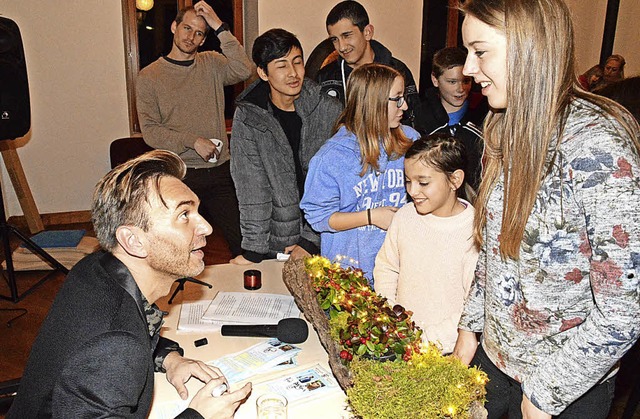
(65, 246)
(236, 308)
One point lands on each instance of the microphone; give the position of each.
(291, 330)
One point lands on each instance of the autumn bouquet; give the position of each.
(421, 383)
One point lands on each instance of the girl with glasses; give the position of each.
(355, 182)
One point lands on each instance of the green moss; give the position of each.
(429, 386)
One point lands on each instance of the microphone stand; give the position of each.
(181, 283)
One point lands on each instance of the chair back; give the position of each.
(124, 149)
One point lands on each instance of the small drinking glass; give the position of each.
(272, 406)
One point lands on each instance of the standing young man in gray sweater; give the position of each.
(180, 100)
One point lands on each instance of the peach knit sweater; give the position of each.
(426, 264)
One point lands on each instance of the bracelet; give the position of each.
(369, 216)
(223, 27)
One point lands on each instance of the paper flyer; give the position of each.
(299, 386)
(264, 357)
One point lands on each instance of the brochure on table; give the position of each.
(302, 385)
(264, 357)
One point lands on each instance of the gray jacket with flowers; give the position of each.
(558, 319)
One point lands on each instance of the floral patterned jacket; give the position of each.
(559, 319)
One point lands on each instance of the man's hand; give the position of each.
(205, 148)
(382, 216)
(240, 260)
(180, 370)
(466, 346)
(221, 407)
(296, 252)
(530, 411)
(203, 9)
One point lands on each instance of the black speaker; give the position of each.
(15, 110)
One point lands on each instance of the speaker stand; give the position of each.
(181, 283)
(21, 186)
(5, 231)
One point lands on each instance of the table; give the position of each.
(230, 278)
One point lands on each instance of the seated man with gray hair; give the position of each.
(98, 349)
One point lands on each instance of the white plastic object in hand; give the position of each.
(282, 257)
(218, 144)
(219, 390)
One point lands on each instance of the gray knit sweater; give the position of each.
(560, 317)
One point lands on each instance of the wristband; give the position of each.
(369, 216)
(222, 28)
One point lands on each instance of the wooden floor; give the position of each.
(16, 340)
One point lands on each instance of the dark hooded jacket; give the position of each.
(263, 168)
(333, 83)
(468, 130)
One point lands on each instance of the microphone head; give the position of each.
(292, 330)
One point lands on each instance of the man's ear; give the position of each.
(434, 80)
(174, 25)
(202, 43)
(132, 240)
(262, 74)
(368, 32)
(457, 179)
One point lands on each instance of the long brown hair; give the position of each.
(541, 83)
(366, 115)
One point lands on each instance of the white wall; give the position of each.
(397, 24)
(588, 19)
(75, 65)
(627, 36)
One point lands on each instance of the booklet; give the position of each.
(251, 307)
(313, 382)
(267, 356)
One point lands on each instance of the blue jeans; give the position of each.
(504, 395)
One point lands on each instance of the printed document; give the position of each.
(251, 308)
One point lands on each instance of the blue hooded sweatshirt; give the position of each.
(334, 184)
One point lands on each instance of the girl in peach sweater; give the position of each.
(428, 258)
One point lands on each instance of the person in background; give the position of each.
(281, 121)
(614, 68)
(428, 257)
(450, 107)
(591, 78)
(356, 181)
(555, 294)
(626, 92)
(97, 350)
(180, 101)
(351, 33)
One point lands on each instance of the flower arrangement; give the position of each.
(421, 383)
(360, 319)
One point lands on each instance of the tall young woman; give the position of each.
(556, 288)
(355, 182)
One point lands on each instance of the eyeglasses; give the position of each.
(399, 101)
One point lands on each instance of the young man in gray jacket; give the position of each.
(281, 121)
